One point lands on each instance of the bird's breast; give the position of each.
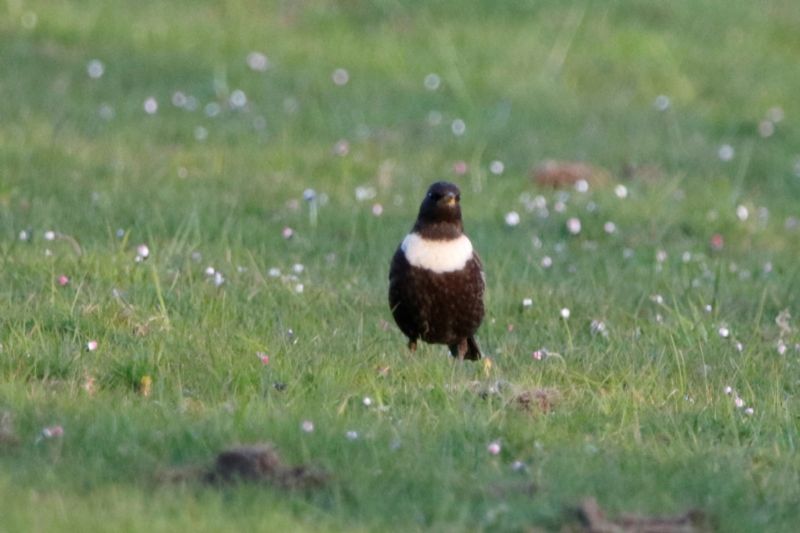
(437, 255)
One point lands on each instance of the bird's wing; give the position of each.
(477, 259)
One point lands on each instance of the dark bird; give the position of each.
(436, 280)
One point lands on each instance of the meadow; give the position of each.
(198, 205)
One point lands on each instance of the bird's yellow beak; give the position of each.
(450, 199)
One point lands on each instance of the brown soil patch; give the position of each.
(257, 463)
(536, 400)
(564, 174)
(592, 519)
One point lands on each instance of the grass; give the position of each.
(641, 419)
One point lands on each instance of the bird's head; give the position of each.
(440, 213)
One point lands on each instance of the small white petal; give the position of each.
(662, 102)
(496, 167)
(150, 106)
(726, 152)
(512, 218)
(95, 69)
(340, 76)
(742, 213)
(432, 81)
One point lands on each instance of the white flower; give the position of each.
(742, 213)
(340, 76)
(598, 327)
(728, 390)
(724, 332)
(49, 235)
(91, 345)
(367, 401)
(432, 81)
(257, 61)
(574, 225)
(621, 191)
(512, 218)
(726, 152)
(307, 426)
(238, 99)
(143, 251)
(738, 402)
(781, 347)
(351, 435)
(494, 447)
(527, 302)
(496, 167)
(364, 192)
(547, 261)
(662, 102)
(565, 313)
(95, 68)
(609, 227)
(150, 106)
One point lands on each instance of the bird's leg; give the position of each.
(459, 350)
(412, 345)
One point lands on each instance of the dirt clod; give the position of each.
(592, 519)
(537, 400)
(257, 463)
(565, 174)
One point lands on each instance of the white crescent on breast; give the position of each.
(437, 256)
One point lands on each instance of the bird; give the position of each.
(436, 279)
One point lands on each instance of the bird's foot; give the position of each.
(412, 345)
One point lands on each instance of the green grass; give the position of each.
(641, 420)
